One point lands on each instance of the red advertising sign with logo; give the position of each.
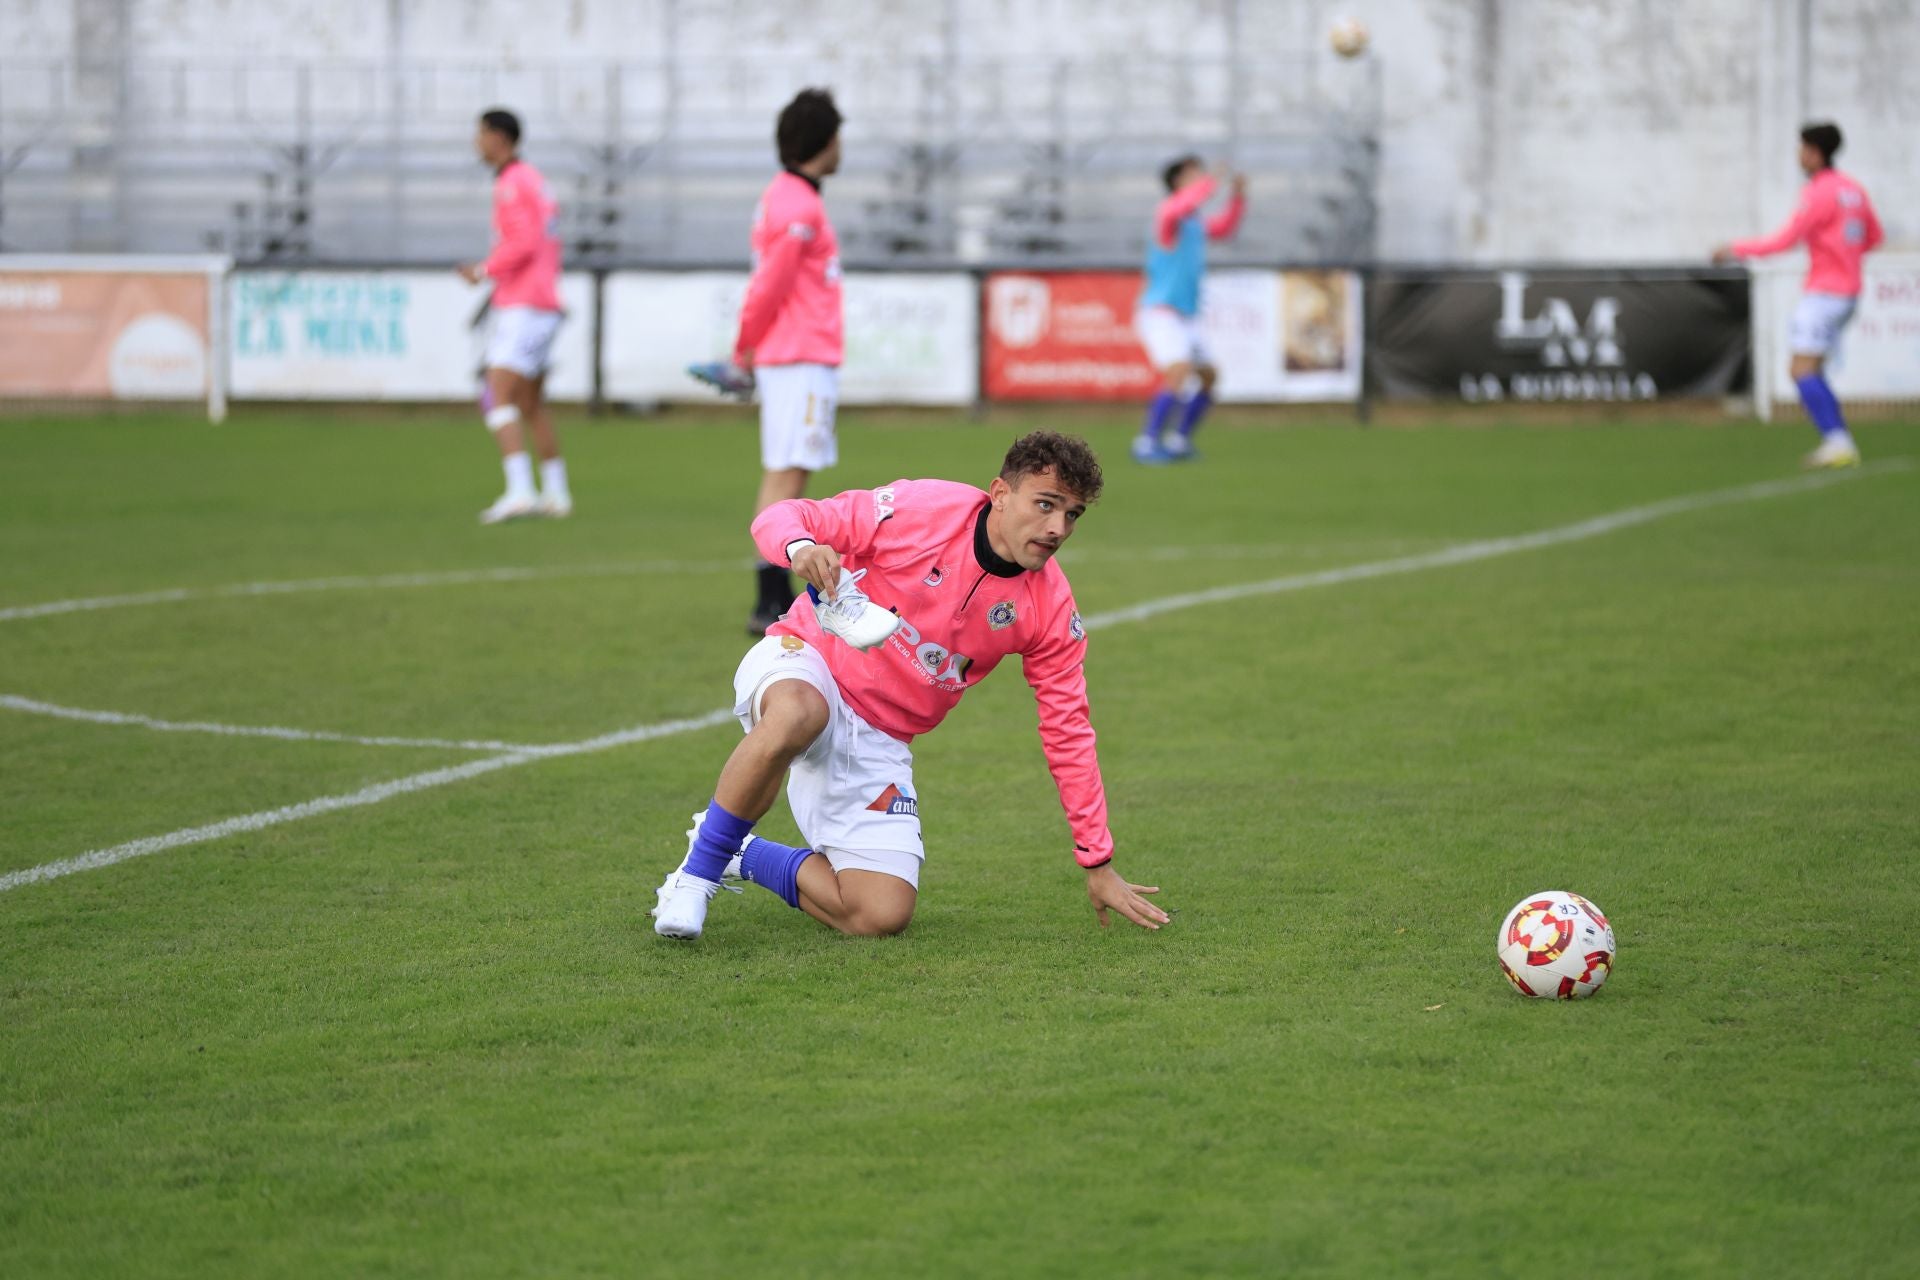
(1064, 336)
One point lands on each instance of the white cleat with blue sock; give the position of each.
(854, 618)
(1837, 449)
(680, 904)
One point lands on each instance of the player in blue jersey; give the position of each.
(1168, 318)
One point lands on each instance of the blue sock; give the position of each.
(774, 867)
(1822, 405)
(719, 839)
(1157, 410)
(1191, 413)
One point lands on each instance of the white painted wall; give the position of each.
(1579, 130)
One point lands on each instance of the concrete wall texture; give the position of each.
(1537, 130)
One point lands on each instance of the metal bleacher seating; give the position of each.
(1030, 161)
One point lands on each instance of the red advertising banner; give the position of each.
(1064, 336)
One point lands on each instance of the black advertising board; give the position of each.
(1556, 335)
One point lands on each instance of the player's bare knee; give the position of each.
(792, 715)
(1207, 374)
(1175, 376)
(874, 920)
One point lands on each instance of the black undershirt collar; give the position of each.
(809, 180)
(983, 550)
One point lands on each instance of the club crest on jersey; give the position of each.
(896, 802)
(1002, 616)
(1076, 628)
(934, 576)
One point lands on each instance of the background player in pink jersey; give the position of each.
(525, 315)
(971, 576)
(1837, 223)
(790, 338)
(1167, 317)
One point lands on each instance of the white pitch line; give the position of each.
(351, 800)
(373, 582)
(32, 706)
(1464, 553)
(1487, 549)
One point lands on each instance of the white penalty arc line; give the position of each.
(1489, 548)
(35, 707)
(370, 582)
(351, 800)
(1465, 553)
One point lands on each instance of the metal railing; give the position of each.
(948, 160)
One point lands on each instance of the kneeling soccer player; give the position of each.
(836, 692)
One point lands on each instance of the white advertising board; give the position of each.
(910, 338)
(1281, 336)
(381, 335)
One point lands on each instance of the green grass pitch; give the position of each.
(435, 1035)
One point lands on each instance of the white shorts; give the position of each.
(1169, 337)
(797, 402)
(520, 339)
(852, 791)
(1818, 319)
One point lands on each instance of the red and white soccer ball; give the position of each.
(1348, 36)
(1556, 945)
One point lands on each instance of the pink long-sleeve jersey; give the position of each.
(525, 263)
(1839, 226)
(923, 544)
(1189, 200)
(791, 314)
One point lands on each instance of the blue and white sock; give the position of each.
(1157, 410)
(719, 839)
(775, 867)
(1822, 405)
(1194, 409)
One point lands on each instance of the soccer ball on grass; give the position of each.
(1556, 945)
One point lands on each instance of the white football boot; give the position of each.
(510, 506)
(680, 904)
(854, 618)
(555, 508)
(1836, 450)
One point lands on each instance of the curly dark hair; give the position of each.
(1069, 458)
(806, 126)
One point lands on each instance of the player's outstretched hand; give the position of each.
(471, 272)
(1723, 255)
(819, 565)
(1110, 892)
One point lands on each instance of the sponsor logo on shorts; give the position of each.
(1002, 616)
(896, 802)
(792, 644)
(1076, 628)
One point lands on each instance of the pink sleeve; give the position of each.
(517, 221)
(1181, 204)
(1786, 237)
(1227, 221)
(847, 522)
(1054, 667)
(774, 274)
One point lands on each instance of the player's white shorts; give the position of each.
(1169, 337)
(797, 402)
(1818, 319)
(521, 339)
(852, 791)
